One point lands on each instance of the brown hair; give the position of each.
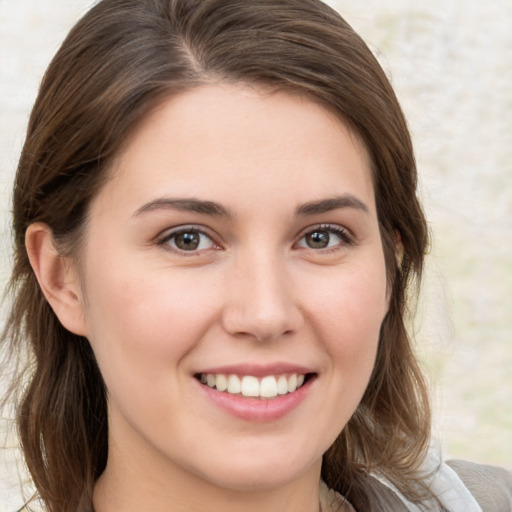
(120, 60)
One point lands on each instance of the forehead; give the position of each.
(220, 139)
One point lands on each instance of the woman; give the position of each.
(216, 224)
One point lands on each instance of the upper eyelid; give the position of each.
(327, 227)
(168, 233)
(336, 229)
(185, 227)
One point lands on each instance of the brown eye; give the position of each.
(317, 239)
(188, 240)
(328, 237)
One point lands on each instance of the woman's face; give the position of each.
(237, 244)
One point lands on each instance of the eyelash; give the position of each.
(342, 233)
(164, 241)
(346, 239)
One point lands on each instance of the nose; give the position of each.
(260, 300)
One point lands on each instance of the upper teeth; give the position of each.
(266, 387)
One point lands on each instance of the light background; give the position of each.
(451, 65)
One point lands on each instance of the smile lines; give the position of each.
(249, 386)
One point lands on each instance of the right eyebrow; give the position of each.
(332, 203)
(185, 205)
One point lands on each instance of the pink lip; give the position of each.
(254, 409)
(258, 370)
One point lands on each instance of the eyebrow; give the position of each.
(333, 203)
(185, 205)
(217, 210)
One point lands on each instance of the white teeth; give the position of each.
(292, 383)
(282, 385)
(234, 385)
(250, 386)
(268, 387)
(221, 382)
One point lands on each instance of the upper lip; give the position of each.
(258, 370)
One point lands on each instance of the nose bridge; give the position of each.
(260, 301)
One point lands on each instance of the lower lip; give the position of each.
(254, 409)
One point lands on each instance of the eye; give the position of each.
(188, 240)
(325, 237)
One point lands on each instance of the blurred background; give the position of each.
(451, 65)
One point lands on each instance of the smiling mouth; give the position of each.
(249, 386)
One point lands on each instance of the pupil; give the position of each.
(318, 239)
(187, 241)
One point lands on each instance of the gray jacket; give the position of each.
(490, 486)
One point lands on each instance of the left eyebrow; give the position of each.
(330, 204)
(185, 205)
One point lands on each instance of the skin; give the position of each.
(254, 291)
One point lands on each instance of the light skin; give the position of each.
(239, 227)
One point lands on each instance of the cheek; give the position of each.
(140, 322)
(347, 310)
(142, 329)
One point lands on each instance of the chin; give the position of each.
(262, 470)
(249, 479)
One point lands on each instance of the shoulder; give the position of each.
(456, 486)
(491, 486)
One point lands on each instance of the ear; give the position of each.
(57, 278)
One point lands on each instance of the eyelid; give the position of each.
(169, 233)
(345, 234)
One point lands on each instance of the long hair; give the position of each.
(118, 63)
